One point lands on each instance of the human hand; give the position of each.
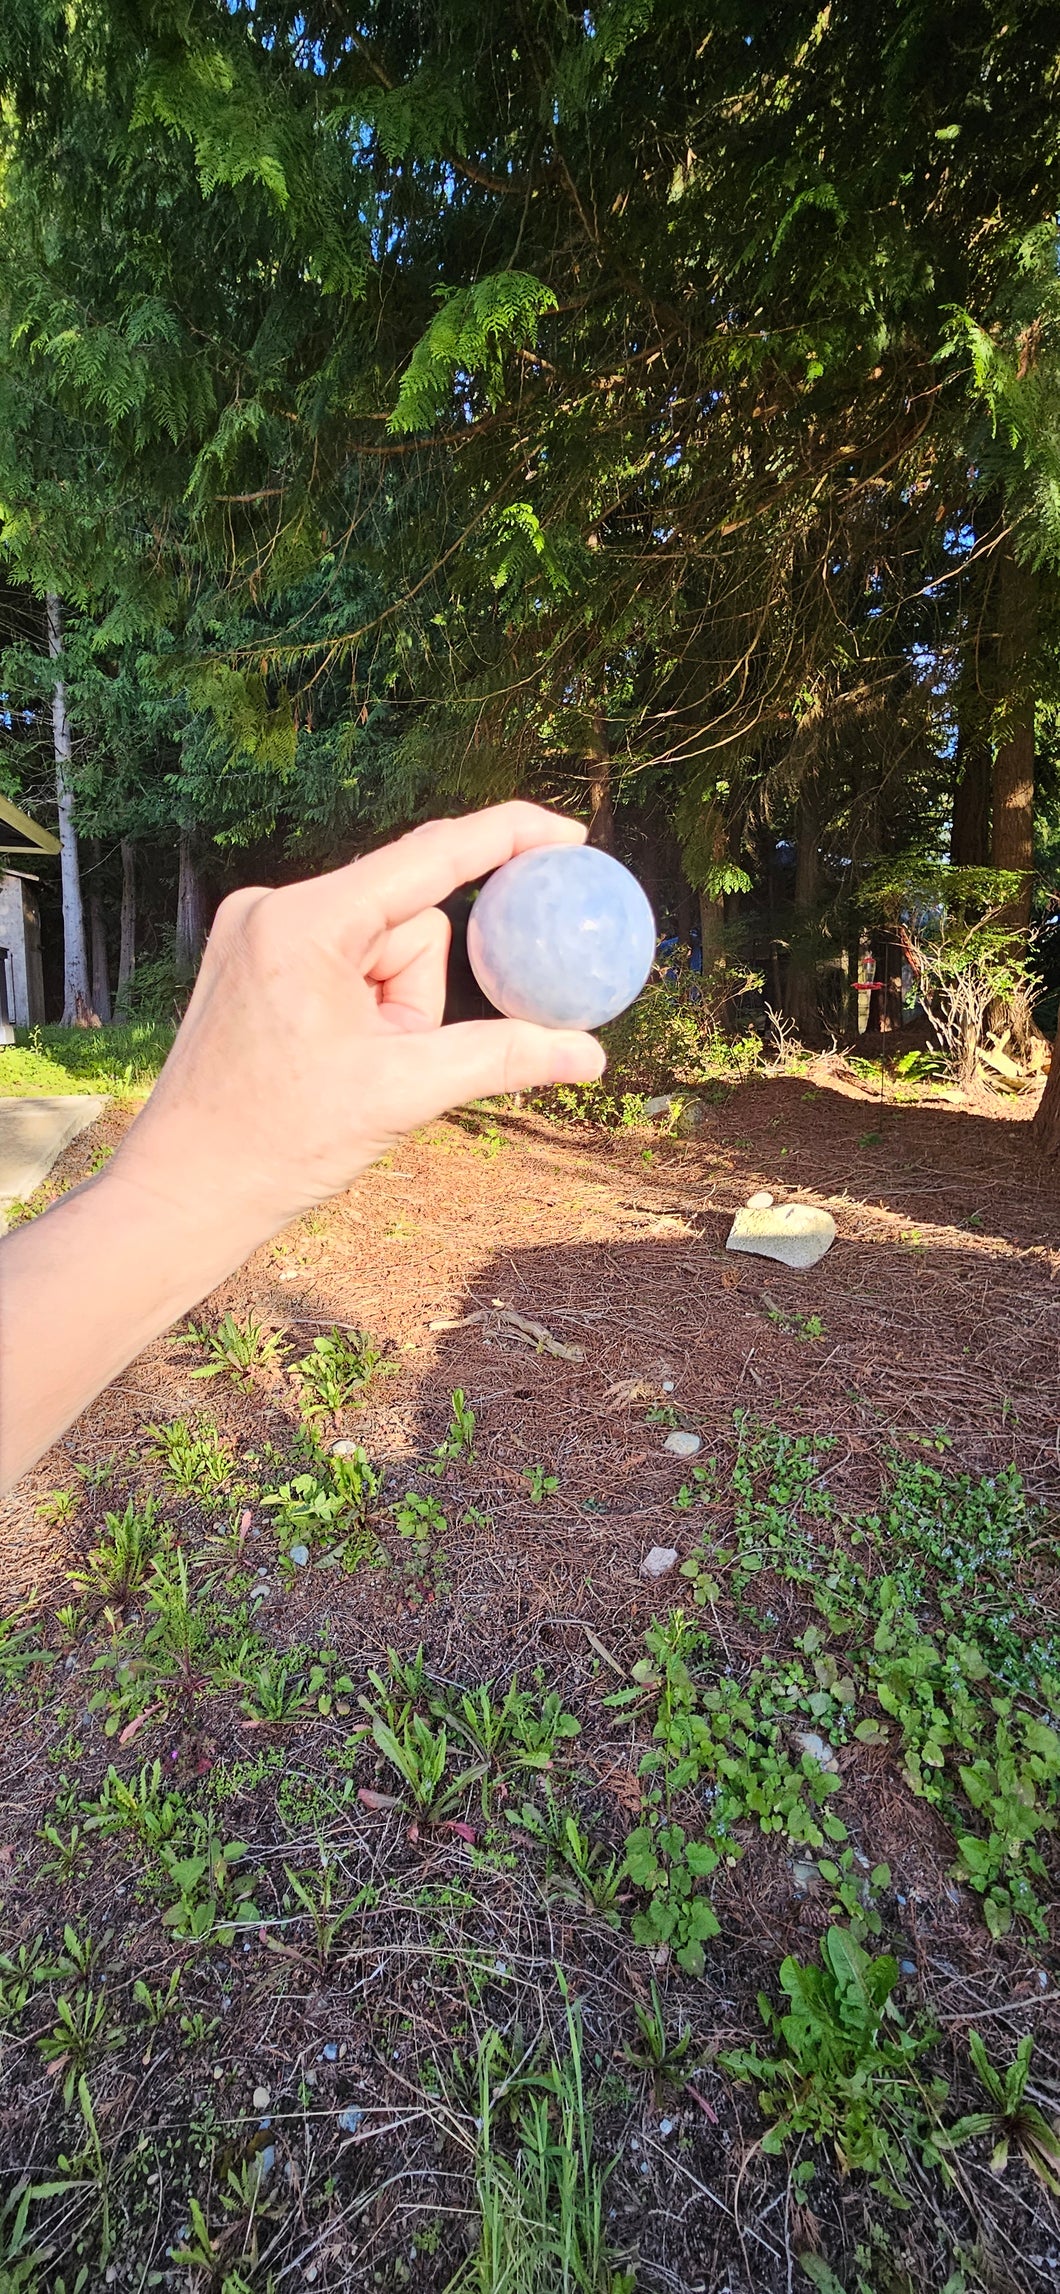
(313, 1039)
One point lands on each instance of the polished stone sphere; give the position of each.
(562, 935)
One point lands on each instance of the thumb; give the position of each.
(477, 1059)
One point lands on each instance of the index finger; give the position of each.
(422, 868)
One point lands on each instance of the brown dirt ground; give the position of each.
(940, 1307)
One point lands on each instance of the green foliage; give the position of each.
(54, 1061)
(580, 1869)
(1011, 2120)
(118, 1567)
(845, 2071)
(195, 1460)
(469, 338)
(211, 1896)
(542, 2208)
(338, 1369)
(234, 1349)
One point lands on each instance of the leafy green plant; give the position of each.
(277, 1692)
(459, 1441)
(234, 1349)
(1011, 2119)
(81, 2031)
(513, 1733)
(118, 1567)
(338, 1370)
(580, 1868)
(326, 1910)
(213, 1897)
(540, 1484)
(194, 1459)
(329, 1509)
(57, 1509)
(663, 2058)
(667, 1866)
(21, 1649)
(421, 1523)
(845, 2072)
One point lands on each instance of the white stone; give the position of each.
(344, 1449)
(659, 1562)
(683, 1445)
(299, 1555)
(260, 2098)
(818, 1747)
(797, 1234)
(762, 1201)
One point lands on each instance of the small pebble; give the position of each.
(659, 1562)
(266, 2161)
(344, 1449)
(350, 2119)
(668, 1385)
(299, 1554)
(908, 1966)
(260, 2098)
(683, 1445)
(330, 2053)
(666, 2126)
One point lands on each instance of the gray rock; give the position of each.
(659, 1562)
(688, 1113)
(299, 1554)
(683, 1445)
(344, 1449)
(797, 1234)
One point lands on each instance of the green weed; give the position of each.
(845, 2072)
(234, 1349)
(338, 1370)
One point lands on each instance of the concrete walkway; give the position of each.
(33, 1132)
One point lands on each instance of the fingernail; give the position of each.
(577, 1059)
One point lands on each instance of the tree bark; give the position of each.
(77, 998)
(97, 932)
(1012, 836)
(601, 800)
(970, 834)
(1046, 1125)
(885, 1002)
(191, 909)
(127, 941)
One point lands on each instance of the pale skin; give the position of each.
(312, 1043)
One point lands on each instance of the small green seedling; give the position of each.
(540, 1484)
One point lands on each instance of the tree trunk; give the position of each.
(885, 1002)
(1046, 1125)
(970, 835)
(97, 932)
(800, 995)
(191, 909)
(127, 942)
(1012, 837)
(601, 801)
(77, 999)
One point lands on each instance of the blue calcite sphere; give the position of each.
(563, 936)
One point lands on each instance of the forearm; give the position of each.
(85, 1288)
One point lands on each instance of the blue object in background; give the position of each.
(563, 936)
